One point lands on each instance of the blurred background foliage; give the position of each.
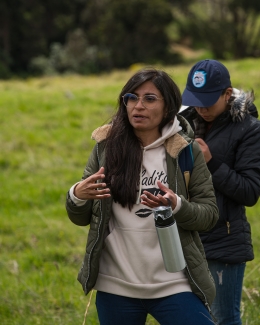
(45, 37)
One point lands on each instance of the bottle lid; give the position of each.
(163, 216)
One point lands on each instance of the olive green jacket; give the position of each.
(200, 214)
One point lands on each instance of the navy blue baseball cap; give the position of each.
(206, 81)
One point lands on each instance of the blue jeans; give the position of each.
(180, 309)
(229, 283)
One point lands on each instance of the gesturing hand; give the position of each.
(90, 189)
(205, 149)
(153, 201)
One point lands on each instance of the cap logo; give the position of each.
(199, 79)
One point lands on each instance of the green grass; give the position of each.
(45, 130)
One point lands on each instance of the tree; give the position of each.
(129, 30)
(28, 27)
(245, 27)
(229, 28)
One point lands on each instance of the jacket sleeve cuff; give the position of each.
(78, 202)
(178, 205)
(213, 165)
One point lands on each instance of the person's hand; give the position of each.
(152, 201)
(205, 149)
(89, 189)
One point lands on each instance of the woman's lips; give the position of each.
(139, 116)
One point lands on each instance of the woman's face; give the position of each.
(146, 120)
(209, 114)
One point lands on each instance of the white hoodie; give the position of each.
(131, 263)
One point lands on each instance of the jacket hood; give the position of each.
(168, 131)
(186, 128)
(174, 142)
(101, 133)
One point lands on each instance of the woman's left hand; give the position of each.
(152, 201)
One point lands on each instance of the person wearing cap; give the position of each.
(225, 126)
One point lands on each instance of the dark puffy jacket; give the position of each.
(234, 142)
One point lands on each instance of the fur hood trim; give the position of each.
(101, 133)
(240, 102)
(173, 145)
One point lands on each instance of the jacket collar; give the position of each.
(173, 144)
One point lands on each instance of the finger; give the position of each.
(150, 196)
(99, 190)
(159, 199)
(164, 200)
(88, 186)
(98, 186)
(97, 194)
(169, 201)
(100, 197)
(162, 187)
(150, 204)
(95, 177)
(101, 170)
(151, 201)
(200, 141)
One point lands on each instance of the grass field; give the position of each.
(45, 130)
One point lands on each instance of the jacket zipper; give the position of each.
(101, 217)
(228, 227)
(205, 298)
(210, 130)
(176, 174)
(85, 286)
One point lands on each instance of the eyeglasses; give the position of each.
(148, 101)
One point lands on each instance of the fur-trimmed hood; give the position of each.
(241, 104)
(173, 144)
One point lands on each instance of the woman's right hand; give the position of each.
(205, 149)
(89, 189)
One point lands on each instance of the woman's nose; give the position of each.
(139, 104)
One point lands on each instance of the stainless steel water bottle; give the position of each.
(169, 239)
